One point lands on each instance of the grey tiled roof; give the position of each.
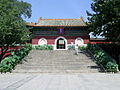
(61, 22)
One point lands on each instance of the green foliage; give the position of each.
(43, 47)
(9, 63)
(105, 20)
(111, 67)
(24, 51)
(71, 47)
(29, 46)
(12, 26)
(102, 58)
(82, 47)
(13, 29)
(15, 57)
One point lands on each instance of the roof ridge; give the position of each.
(61, 22)
(56, 25)
(62, 19)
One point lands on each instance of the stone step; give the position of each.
(59, 65)
(88, 64)
(58, 68)
(57, 62)
(56, 71)
(79, 67)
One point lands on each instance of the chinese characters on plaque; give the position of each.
(60, 30)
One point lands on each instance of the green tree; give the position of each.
(105, 19)
(13, 29)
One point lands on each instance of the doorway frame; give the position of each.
(61, 37)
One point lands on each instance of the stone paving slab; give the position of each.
(82, 81)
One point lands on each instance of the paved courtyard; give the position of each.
(82, 81)
(58, 70)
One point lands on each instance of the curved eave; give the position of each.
(57, 25)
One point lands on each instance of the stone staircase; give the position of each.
(45, 61)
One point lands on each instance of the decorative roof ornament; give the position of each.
(40, 18)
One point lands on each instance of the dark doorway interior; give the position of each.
(60, 43)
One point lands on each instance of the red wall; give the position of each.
(12, 48)
(51, 39)
(99, 42)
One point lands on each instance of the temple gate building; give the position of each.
(60, 33)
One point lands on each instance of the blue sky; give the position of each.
(59, 9)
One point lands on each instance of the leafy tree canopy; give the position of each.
(105, 20)
(12, 26)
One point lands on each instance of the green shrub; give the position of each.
(16, 57)
(9, 63)
(82, 47)
(102, 58)
(111, 67)
(98, 54)
(43, 47)
(89, 46)
(71, 47)
(28, 46)
(49, 47)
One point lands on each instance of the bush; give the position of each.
(28, 46)
(9, 63)
(16, 57)
(82, 47)
(43, 47)
(111, 67)
(102, 58)
(71, 47)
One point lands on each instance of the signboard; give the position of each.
(60, 30)
(61, 42)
